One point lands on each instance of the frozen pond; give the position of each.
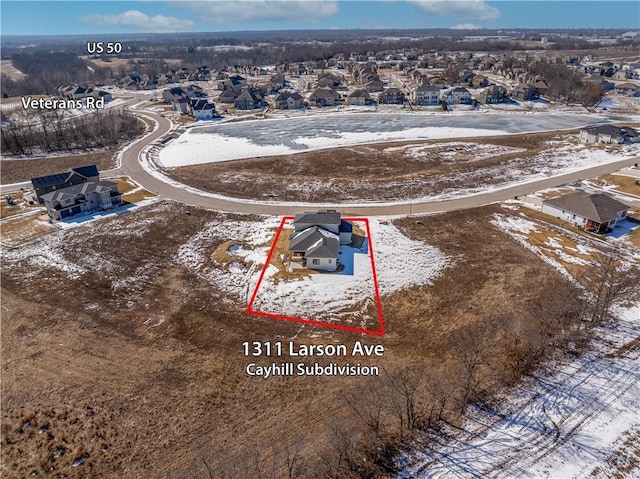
(248, 139)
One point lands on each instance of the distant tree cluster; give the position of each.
(46, 71)
(29, 132)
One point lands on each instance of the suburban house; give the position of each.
(359, 97)
(317, 238)
(288, 101)
(202, 109)
(249, 99)
(374, 85)
(324, 97)
(81, 198)
(426, 95)
(524, 92)
(74, 176)
(593, 212)
(608, 134)
(391, 96)
(456, 96)
(493, 94)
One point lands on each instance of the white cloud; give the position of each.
(465, 26)
(238, 11)
(139, 21)
(467, 9)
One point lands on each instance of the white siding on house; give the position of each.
(322, 264)
(567, 216)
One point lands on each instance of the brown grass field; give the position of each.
(373, 172)
(148, 380)
(15, 171)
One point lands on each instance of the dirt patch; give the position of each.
(15, 171)
(25, 229)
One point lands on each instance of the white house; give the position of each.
(202, 109)
(456, 96)
(317, 238)
(80, 198)
(426, 95)
(591, 212)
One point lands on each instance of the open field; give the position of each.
(12, 72)
(399, 171)
(18, 170)
(144, 286)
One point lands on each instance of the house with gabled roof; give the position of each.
(74, 176)
(608, 134)
(317, 238)
(202, 108)
(82, 198)
(359, 97)
(391, 96)
(288, 101)
(597, 213)
(324, 97)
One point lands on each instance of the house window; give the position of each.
(315, 261)
(330, 261)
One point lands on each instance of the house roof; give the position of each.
(324, 93)
(596, 207)
(310, 238)
(331, 217)
(426, 87)
(359, 94)
(324, 248)
(605, 130)
(59, 178)
(81, 189)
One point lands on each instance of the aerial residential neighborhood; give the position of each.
(325, 239)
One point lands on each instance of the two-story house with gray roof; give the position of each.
(317, 238)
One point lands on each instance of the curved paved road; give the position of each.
(131, 166)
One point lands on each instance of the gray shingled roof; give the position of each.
(596, 207)
(318, 217)
(324, 248)
(82, 188)
(302, 241)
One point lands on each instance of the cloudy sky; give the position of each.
(83, 17)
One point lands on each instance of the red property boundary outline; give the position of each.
(354, 329)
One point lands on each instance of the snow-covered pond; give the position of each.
(233, 141)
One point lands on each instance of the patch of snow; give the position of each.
(567, 421)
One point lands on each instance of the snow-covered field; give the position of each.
(317, 296)
(232, 141)
(348, 295)
(568, 422)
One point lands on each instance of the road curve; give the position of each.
(131, 166)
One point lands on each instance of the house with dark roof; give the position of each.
(74, 176)
(597, 213)
(608, 134)
(202, 109)
(82, 198)
(317, 238)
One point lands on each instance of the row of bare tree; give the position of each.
(28, 132)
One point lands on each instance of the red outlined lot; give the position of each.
(379, 332)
